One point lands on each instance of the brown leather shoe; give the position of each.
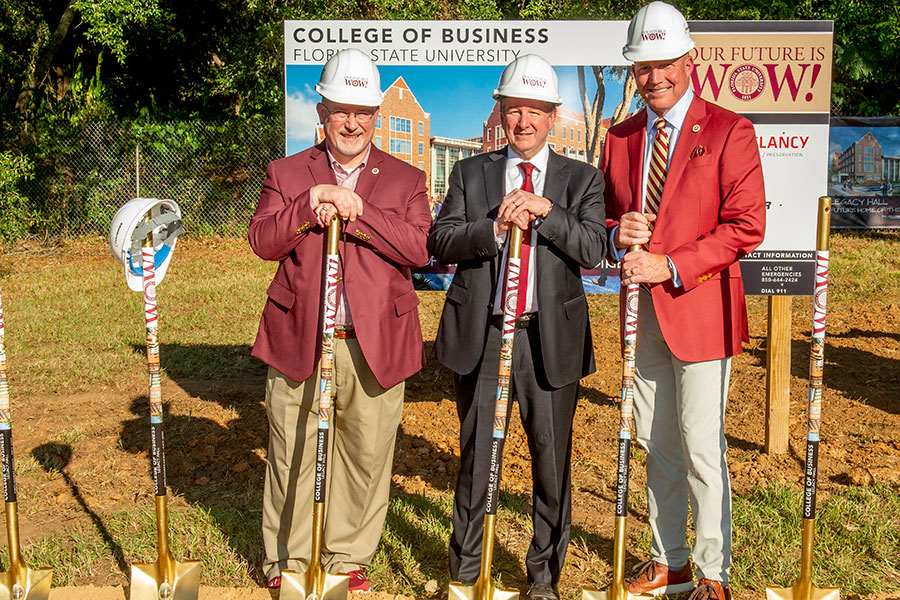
(710, 589)
(655, 578)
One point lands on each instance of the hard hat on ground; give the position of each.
(657, 32)
(530, 77)
(350, 77)
(133, 222)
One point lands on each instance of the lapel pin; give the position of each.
(695, 128)
(374, 170)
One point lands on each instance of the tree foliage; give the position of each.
(64, 61)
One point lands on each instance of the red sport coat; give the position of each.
(377, 251)
(711, 214)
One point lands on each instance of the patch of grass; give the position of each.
(857, 539)
(864, 268)
(413, 545)
(227, 542)
(209, 308)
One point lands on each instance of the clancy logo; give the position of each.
(356, 81)
(649, 35)
(534, 81)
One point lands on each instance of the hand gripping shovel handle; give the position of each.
(20, 582)
(315, 582)
(484, 588)
(803, 588)
(617, 589)
(165, 579)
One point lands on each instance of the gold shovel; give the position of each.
(20, 582)
(803, 588)
(484, 588)
(164, 579)
(315, 583)
(618, 590)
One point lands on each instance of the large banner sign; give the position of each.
(864, 172)
(438, 78)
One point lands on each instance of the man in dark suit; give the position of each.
(683, 178)
(385, 219)
(563, 216)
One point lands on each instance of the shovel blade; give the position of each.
(797, 592)
(35, 587)
(148, 583)
(610, 594)
(301, 586)
(487, 591)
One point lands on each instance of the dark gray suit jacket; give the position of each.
(573, 235)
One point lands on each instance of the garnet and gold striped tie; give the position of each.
(656, 174)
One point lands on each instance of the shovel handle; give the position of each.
(6, 449)
(504, 377)
(816, 359)
(157, 437)
(626, 401)
(326, 364)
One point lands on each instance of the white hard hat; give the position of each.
(657, 32)
(350, 77)
(133, 222)
(530, 77)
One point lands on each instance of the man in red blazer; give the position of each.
(385, 220)
(683, 180)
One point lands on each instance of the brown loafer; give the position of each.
(710, 589)
(655, 578)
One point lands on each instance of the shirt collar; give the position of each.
(674, 116)
(539, 160)
(336, 165)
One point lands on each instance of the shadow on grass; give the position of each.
(55, 457)
(414, 543)
(213, 465)
(859, 374)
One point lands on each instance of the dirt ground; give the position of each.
(216, 436)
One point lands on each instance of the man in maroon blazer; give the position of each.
(383, 207)
(683, 180)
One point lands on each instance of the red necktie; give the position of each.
(527, 186)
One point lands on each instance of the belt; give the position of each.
(522, 322)
(343, 332)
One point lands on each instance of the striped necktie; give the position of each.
(656, 174)
(522, 296)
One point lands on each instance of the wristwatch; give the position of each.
(671, 266)
(539, 220)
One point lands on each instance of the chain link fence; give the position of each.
(214, 171)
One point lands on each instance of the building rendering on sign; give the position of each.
(861, 162)
(403, 128)
(445, 152)
(890, 169)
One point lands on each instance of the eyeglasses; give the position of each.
(363, 117)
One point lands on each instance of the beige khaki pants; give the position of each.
(679, 411)
(361, 452)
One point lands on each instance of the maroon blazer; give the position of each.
(712, 212)
(377, 251)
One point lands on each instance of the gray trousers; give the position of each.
(679, 410)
